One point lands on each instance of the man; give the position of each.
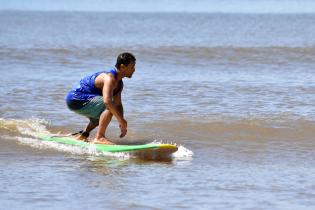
(98, 97)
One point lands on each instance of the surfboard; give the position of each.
(145, 151)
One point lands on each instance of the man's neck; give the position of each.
(119, 74)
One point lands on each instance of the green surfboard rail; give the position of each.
(103, 147)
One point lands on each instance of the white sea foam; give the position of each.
(29, 129)
(183, 153)
(36, 143)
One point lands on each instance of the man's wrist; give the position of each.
(120, 120)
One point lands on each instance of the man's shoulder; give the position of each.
(107, 77)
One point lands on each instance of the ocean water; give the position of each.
(235, 91)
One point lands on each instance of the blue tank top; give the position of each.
(78, 96)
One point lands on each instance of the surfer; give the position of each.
(98, 97)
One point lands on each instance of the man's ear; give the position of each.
(122, 66)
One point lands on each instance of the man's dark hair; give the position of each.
(125, 58)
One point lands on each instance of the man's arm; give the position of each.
(118, 103)
(120, 109)
(115, 108)
(108, 88)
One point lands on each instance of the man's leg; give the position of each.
(92, 124)
(92, 110)
(104, 121)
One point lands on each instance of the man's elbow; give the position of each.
(108, 102)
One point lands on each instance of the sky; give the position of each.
(209, 6)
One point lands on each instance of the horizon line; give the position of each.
(155, 11)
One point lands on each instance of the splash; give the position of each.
(36, 143)
(183, 153)
(26, 132)
(29, 127)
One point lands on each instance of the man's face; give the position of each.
(130, 69)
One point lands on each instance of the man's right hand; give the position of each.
(123, 128)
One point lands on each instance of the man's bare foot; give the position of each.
(81, 137)
(102, 141)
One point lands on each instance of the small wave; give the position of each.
(279, 128)
(178, 54)
(26, 132)
(232, 54)
(29, 127)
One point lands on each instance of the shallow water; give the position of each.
(235, 91)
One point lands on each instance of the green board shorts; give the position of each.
(92, 109)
